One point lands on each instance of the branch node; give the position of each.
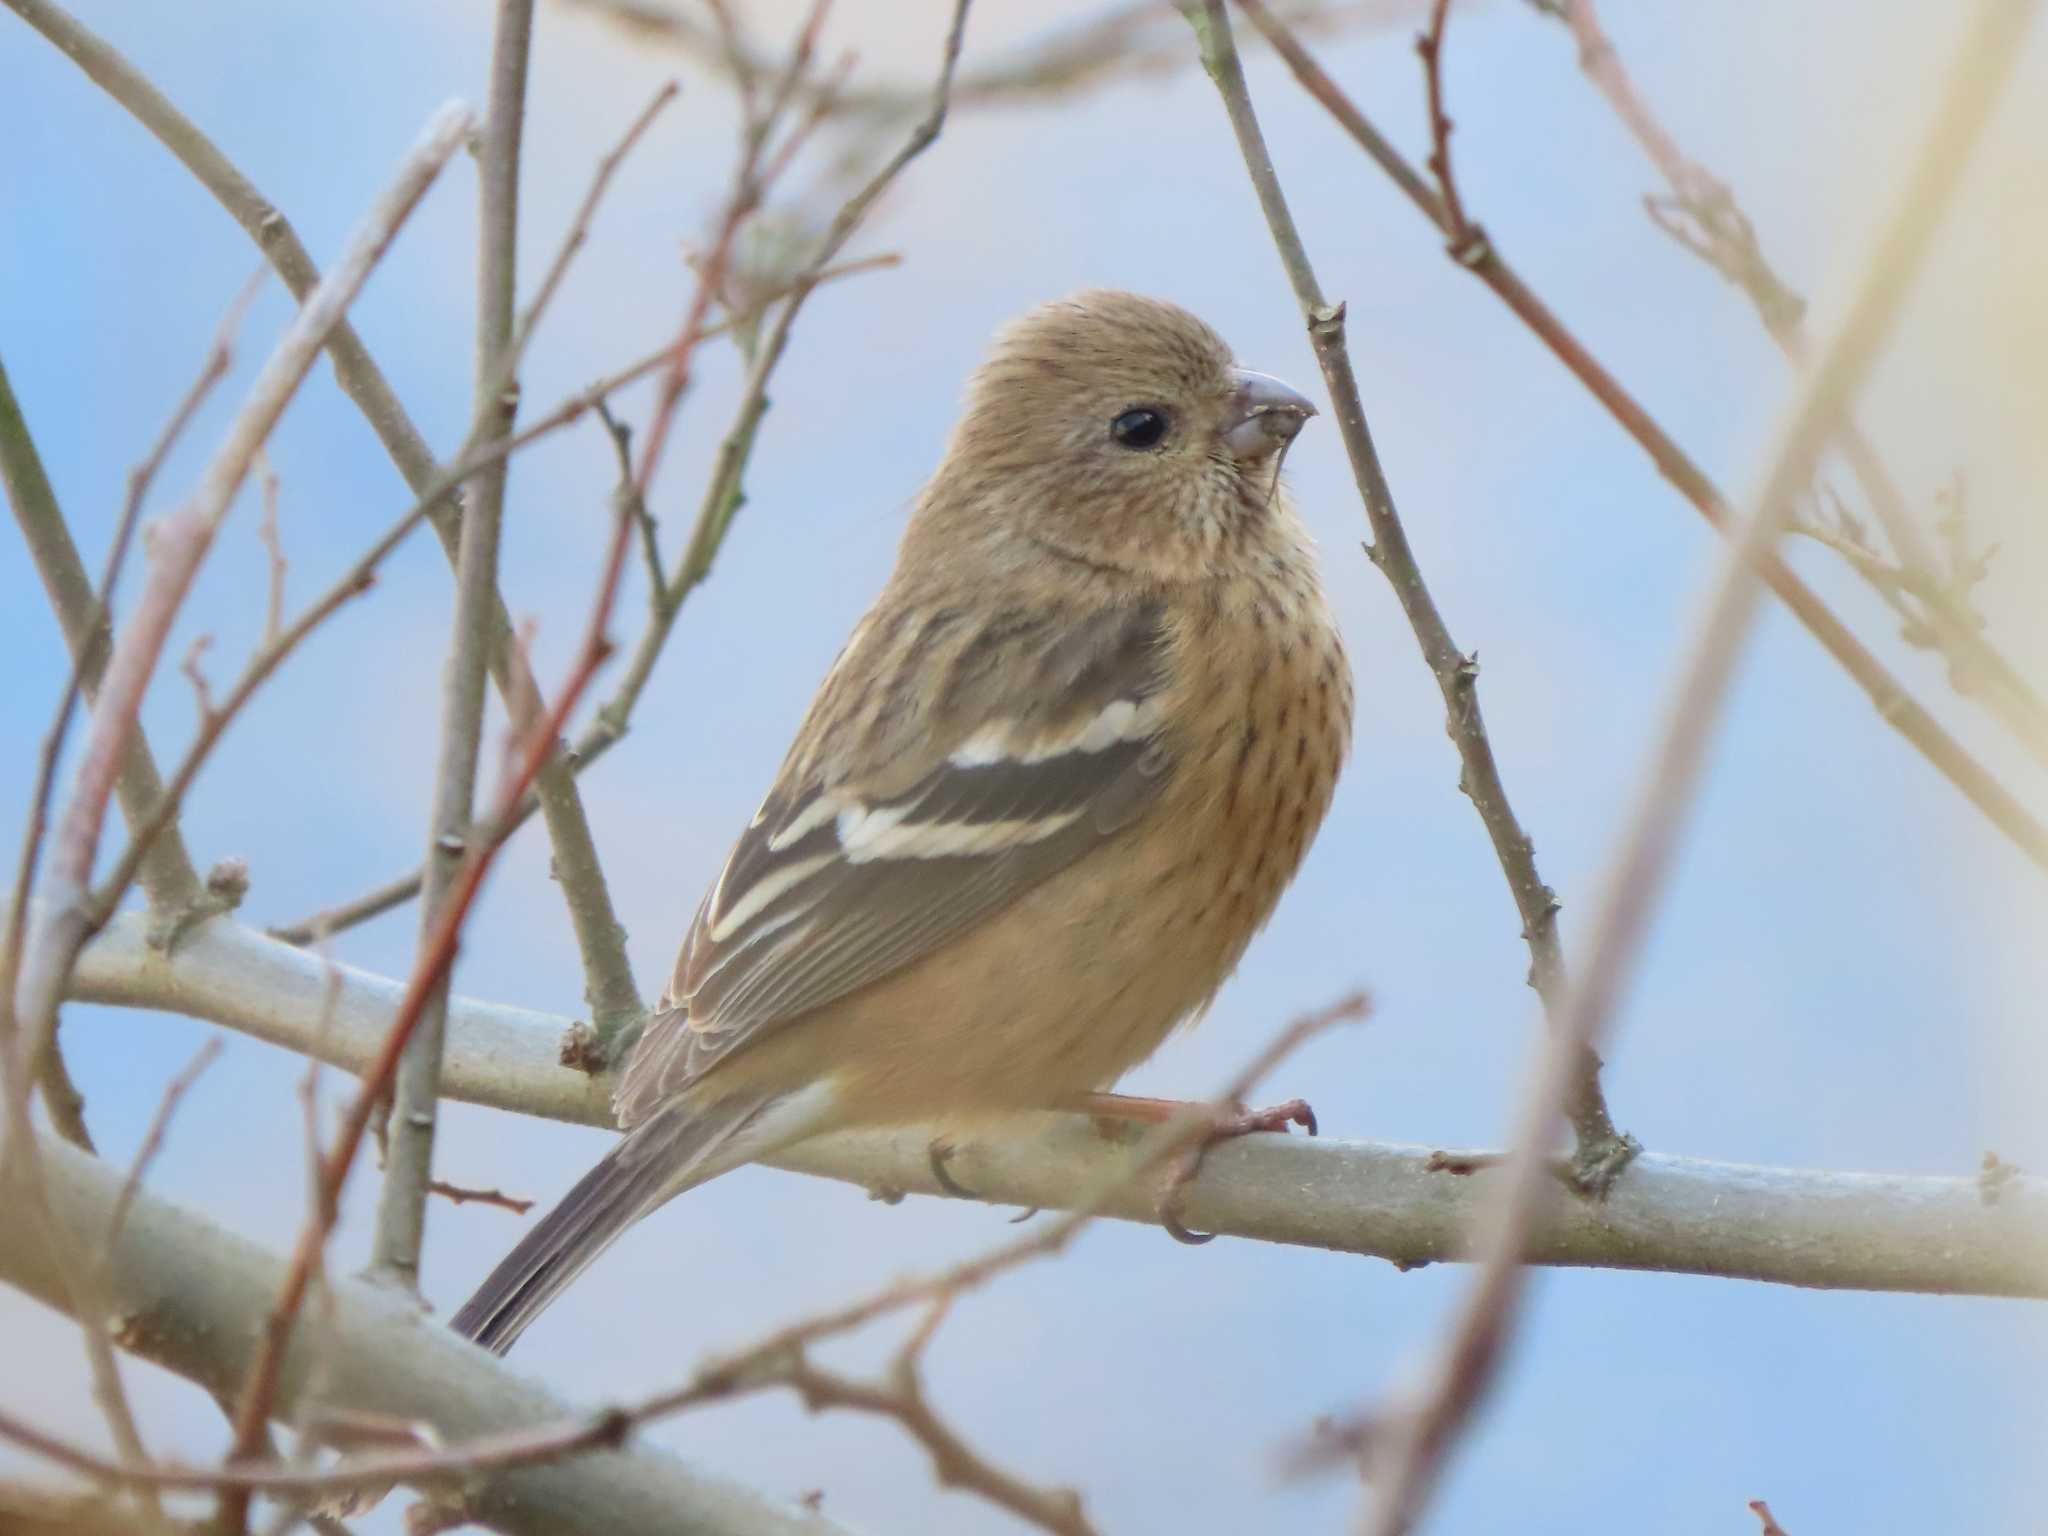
(226, 884)
(1993, 1177)
(1471, 249)
(582, 1050)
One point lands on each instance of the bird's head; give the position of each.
(1119, 430)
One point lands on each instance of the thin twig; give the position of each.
(1121, 41)
(180, 545)
(84, 615)
(430, 969)
(900, 1397)
(1418, 1435)
(460, 1194)
(611, 720)
(586, 211)
(1602, 1150)
(1894, 705)
(408, 1168)
(153, 1137)
(364, 384)
(273, 549)
(1710, 223)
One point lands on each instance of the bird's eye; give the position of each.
(1141, 428)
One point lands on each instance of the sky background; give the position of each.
(1846, 972)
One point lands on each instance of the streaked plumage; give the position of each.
(1055, 781)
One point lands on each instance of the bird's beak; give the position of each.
(1264, 415)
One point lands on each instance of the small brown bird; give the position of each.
(1053, 784)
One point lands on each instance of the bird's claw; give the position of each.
(1228, 1125)
(1274, 1117)
(938, 1154)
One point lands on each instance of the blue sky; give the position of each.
(1842, 975)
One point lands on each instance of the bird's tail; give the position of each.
(676, 1149)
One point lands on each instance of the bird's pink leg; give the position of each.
(1227, 1125)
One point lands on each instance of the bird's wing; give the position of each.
(907, 814)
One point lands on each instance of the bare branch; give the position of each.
(408, 1169)
(900, 1397)
(436, 954)
(180, 545)
(1603, 1151)
(273, 549)
(1419, 1434)
(611, 719)
(579, 226)
(186, 1288)
(1703, 216)
(1123, 40)
(363, 383)
(1409, 1205)
(153, 1137)
(84, 615)
(1894, 705)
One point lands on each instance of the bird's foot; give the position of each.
(1228, 1126)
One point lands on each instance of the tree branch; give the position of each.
(409, 1157)
(181, 544)
(185, 1290)
(1408, 1460)
(364, 384)
(1602, 1151)
(168, 874)
(1410, 1205)
(1895, 706)
(610, 721)
(1726, 239)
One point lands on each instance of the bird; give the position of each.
(1055, 781)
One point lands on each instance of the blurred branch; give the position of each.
(435, 956)
(1410, 1205)
(84, 615)
(1483, 259)
(1602, 1151)
(415, 1089)
(1129, 39)
(364, 384)
(26, 1510)
(82, 611)
(185, 1290)
(180, 545)
(1703, 215)
(1418, 1433)
(899, 1395)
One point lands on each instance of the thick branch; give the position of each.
(1402, 1203)
(185, 1290)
